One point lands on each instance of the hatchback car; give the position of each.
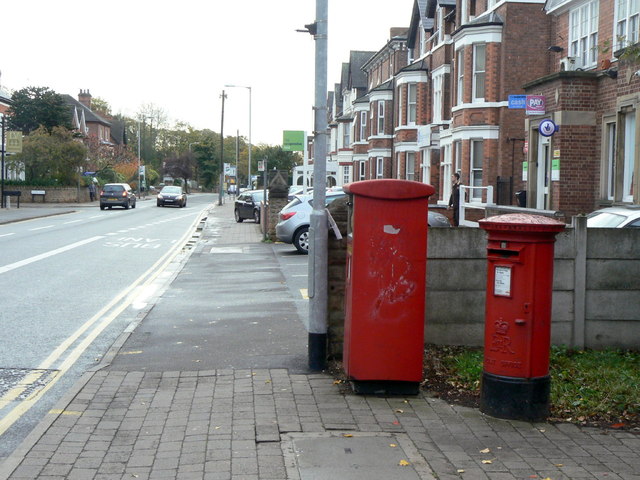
(615, 217)
(117, 195)
(172, 195)
(247, 205)
(295, 218)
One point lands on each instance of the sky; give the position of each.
(180, 55)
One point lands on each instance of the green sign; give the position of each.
(293, 141)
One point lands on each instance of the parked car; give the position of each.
(117, 195)
(615, 217)
(293, 226)
(172, 195)
(247, 205)
(436, 219)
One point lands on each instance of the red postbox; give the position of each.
(515, 378)
(385, 286)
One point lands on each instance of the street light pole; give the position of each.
(221, 150)
(249, 166)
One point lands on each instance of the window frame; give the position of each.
(583, 34)
(410, 165)
(475, 170)
(622, 21)
(479, 72)
(363, 126)
(379, 167)
(412, 103)
(381, 109)
(460, 77)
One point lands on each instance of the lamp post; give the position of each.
(249, 167)
(143, 118)
(223, 96)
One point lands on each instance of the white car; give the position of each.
(615, 217)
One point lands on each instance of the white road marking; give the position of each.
(42, 256)
(7, 234)
(40, 228)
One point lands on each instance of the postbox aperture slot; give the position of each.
(503, 253)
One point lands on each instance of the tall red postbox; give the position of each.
(515, 378)
(385, 285)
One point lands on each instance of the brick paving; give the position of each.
(232, 424)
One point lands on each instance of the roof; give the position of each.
(357, 77)
(418, 17)
(388, 85)
(89, 115)
(419, 66)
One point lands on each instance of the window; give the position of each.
(346, 174)
(363, 126)
(425, 165)
(446, 173)
(610, 152)
(410, 165)
(583, 34)
(457, 167)
(477, 154)
(401, 119)
(412, 98)
(361, 168)
(379, 167)
(346, 135)
(460, 75)
(479, 63)
(627, 12)
(629, 146)
(437, 98)
(381, 117)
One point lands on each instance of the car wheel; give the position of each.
(102, 207)
(134, 205)
(159, 204)
(301, 240)
(256, 216)
(236, 213)
(126, 206)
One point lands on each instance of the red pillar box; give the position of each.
(515, 378)
(385, 286)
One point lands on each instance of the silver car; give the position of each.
(293, 226)
(615, 217)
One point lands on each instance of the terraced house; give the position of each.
(516, 96)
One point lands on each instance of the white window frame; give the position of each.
(381, 117)
(401, 119)
(398, 169)
(363, 126)
(583, 34)
(412, 103)
(425, 165)
(626, 23)
(460, 77)
(410, 165)
(346, 135)
(361, 170)
(476, 164)
(479, 71)
(438, 82)
(610, 138)
(346, 174)
(445, 165)
(629, 155)
(457, 167)
(379, 167)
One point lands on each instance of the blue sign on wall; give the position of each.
(517, 101)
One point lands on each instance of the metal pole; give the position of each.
(221, 151)
(249, 166)
(264, 199)
(235, 192)
(318, 225)
(138, 156)
(3, 201)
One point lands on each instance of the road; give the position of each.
(69, 285)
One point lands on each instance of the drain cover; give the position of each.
(351, 456)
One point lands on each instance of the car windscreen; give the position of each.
(604, 220)
(173, 190)
(113, 188)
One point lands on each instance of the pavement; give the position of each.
(251, 414)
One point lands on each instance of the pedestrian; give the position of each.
(454, 199)
(92, 191)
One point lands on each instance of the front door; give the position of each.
(543, 172)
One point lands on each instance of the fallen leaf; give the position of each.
(542, 430)
(559, 465)
(617, 425)
(403, 463)
(486, 450)
(347, 435)
(337, 382)
(267, 381)
(393, 445)
(486, 462)
(396, 422)
(460, 470)
(399, 411)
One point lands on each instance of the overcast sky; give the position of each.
(179, 55)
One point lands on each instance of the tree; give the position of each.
(100, 106)
(56, 156)
(34, 107)
(180, 166)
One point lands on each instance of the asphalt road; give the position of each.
(69, 285)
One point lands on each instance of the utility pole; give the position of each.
(223, 96)
(3, 201)
(318, 229)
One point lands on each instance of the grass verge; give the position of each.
(588, 387)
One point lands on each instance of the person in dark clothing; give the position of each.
(454, 199)
(92, 191)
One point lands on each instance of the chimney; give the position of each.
(85, 98)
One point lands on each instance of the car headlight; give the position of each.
(160, 196)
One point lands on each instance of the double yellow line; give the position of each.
(95, 325)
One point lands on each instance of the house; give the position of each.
(87, 123)
(479, 86)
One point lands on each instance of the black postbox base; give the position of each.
(515, 398)
(385, 387)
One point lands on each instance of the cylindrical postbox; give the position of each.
(385, 285)
(515, 378)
